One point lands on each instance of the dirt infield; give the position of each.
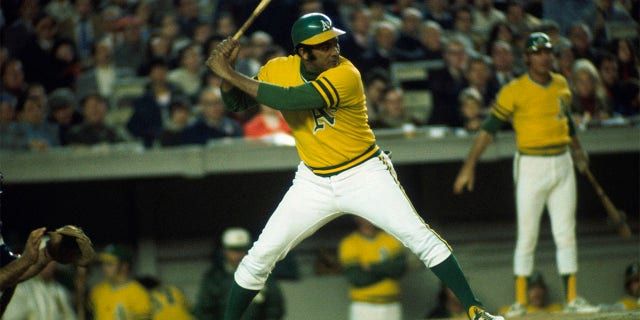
(611, 315)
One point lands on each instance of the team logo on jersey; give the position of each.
(321, 117)
(563, 109)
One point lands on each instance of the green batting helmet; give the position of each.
(313, 28)
(538, 41)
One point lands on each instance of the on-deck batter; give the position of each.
(537, 104)
(342, 170)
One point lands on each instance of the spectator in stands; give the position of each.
(13, 80)
(409, 36)
(109, 17)
(38, 54)
(472, 109)
(537, 297)
(130, 53)
(40, 134)
(12, 136)
(393, 113)
(447, 83)
(380, 13)
(590, 100)
(631, 300)
(246, 62)
(170, 30)
(41, 297)
(581, 38)
(65, 66)
(448, 306)
(431, 40)
(503, 64)
(151, 111)
(225, 25)
(188, 75)
(36, 90)
(158, 48)
(201, 34)
(359, 40)
(15, 33)
(212, 122)
(93, 130)
(479, 73)
(169, 303)
(102, 76)
(187, 16)
(564, 58)
(627, 56)
(500, 31)
(376, 82)
(217, 281)
(82, 27)
(383, 52)
(179, 119)
(485, 16)
(463, 26)
(608, 70)
(608, 16)
(438, 11)
(520, 21)
(118, 295)
(267, 122)
(63, 113)
(373, 262)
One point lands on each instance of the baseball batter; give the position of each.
(537, 106)
(342, 170)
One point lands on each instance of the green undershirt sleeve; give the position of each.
(236, 100)
(302, 97)
(393, 268)
(492, 124)
(572, 126)
(361, 278)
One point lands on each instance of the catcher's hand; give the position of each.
(70, 244)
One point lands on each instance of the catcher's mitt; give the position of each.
(70, 244)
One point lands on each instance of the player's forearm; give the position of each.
(482, 141)
(11, 274)
(358, 277)
(393, 268)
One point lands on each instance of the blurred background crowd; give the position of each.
(87, 72)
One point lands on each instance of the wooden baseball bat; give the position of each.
(256, 12)
(615, 215)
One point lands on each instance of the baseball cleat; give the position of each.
(477, 313)
(580, 305)
(515, 310)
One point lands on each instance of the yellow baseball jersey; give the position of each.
(129, 301)
(538, 113)
(357, 249)
(333, 138)
(170, 304)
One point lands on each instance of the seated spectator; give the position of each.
(376, 82)
(41, 297)
(130, 53)
(627, 56)
(12, 136)
(409, 36)
(63, 113)
(608, 70)
(393, 114)
(65, 65)
(590, 100)
(188, 75)
(502, 59)
(448, 306)
(267, 122)
(383, 52)
(13, 80)
(472, 109)
(179, 119)
(216, 283)
(447, 83)
(519, 19)
(485, 16)
(40, 134)
(631, 301)
(565, 57)
(438, 11)
(479, 73)
(93, 130)
(212, 122)
(581, 38)
(431, 40)
(354, 43)
(169, 303)
(537, 297)
(151, 111)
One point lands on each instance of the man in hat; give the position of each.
(537, 104)
(118, 296)
(217, 282)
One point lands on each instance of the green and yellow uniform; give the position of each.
(168, 303)
(129, 301)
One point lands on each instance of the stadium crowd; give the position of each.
(88, 72)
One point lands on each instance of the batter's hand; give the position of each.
(31, 251)
(222, 58)
(465, 179)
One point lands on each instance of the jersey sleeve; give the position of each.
(505, 103)
(340, 86)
